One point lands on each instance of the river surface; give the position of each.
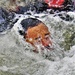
(17, 57)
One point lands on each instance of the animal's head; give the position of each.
(38, 35)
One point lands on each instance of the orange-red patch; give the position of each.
(37, 34)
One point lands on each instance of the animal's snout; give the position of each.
(47, 43)
(48, 47)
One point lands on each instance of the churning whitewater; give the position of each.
(17, 57)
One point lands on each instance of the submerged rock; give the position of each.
(5, 20)
(69, 37)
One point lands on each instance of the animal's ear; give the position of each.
(25, 36)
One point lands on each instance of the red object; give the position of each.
(55, 3)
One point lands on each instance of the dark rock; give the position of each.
(5, 19)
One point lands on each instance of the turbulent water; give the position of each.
(17, 57)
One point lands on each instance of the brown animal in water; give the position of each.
(36, 33)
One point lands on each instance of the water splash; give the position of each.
(15, 51)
